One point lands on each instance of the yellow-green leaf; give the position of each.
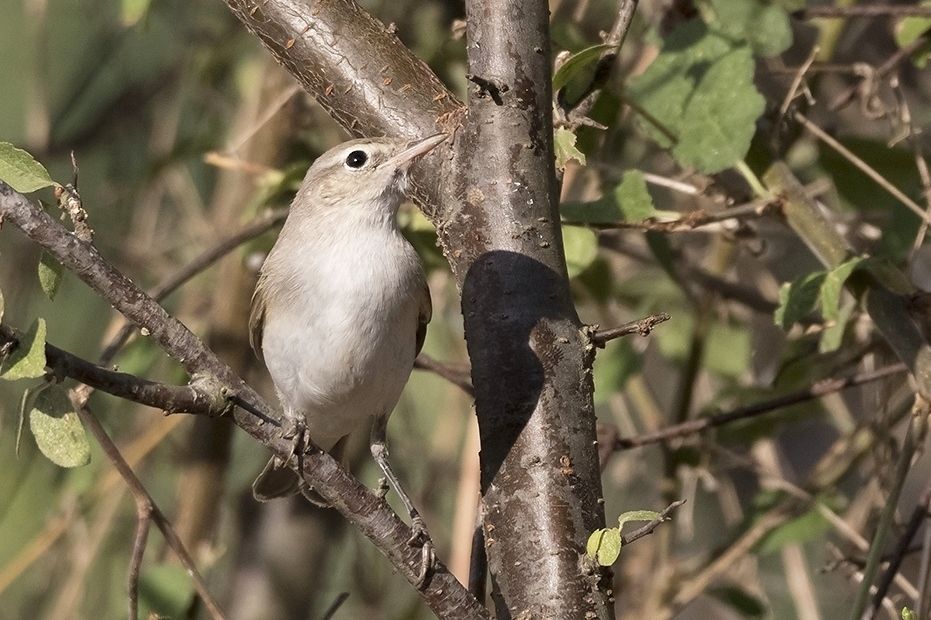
(798, 298)
(58, 430)
(49, 274)
(636, 515)
(604, 545)
(566, 149)
(28, 359)
(907, 32)
(21, 171)
(633, 199)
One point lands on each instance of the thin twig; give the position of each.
(143, 521)
(615, 38)
(882, 70)
(335, 605)
(647, 529)
(863, 166)
(642, 326)
(797, 81)
(144, 499)
(458, 376)
(914, 438)
(863, 10)
(250, 231)
(919, 515)
(922, 602)
(814, 391)
(168, 398)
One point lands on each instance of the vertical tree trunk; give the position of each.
(531, 361)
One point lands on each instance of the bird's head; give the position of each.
(368, 174)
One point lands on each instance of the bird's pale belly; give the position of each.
(336, 370)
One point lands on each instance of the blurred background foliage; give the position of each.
(184, 130)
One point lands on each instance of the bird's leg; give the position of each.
(294, 427)
(420, 536)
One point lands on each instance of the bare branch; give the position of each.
(147, 511)
(816, 390)
(642, 326)
(882, 70)
(460, 377)
(168, 398)
(648, 528)
(208, 257)
(863, 167)
(369, 513)
(863, 10)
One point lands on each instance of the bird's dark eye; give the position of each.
(356, 159)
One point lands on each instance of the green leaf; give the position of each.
(720, 118)
(629, 202)
(668, 83)
(798, 299)
(908, 614)
(580, 67)
(907, 32)
(581, 246)
(566, 149)
(833, 334)
(832, 286)
(28, 359)
(740, 600)
(763, 25)
(165, 590)
(604, 545)
(49, 274)
(636, 515)
(633, 199)
(58, 430)
(20, 171)
(700, 89)
(578, 62)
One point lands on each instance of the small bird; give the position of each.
(341, 308)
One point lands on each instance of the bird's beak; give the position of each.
(415, 151)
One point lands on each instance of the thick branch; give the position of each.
(360, 73)
(369, 513)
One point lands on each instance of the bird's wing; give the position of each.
(257, 318)
(426, 313)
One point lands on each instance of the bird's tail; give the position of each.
(278, 480)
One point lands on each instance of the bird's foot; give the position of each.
(420, 537)
(295, 429)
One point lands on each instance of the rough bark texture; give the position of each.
(530, 358)
(492, 193)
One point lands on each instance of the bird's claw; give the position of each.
(295, 429)
(420, 537)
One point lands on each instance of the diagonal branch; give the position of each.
(369, 513)
(330, 46)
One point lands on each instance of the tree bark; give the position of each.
(531, 359)
(494, 199)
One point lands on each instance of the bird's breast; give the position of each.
(344, 340)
